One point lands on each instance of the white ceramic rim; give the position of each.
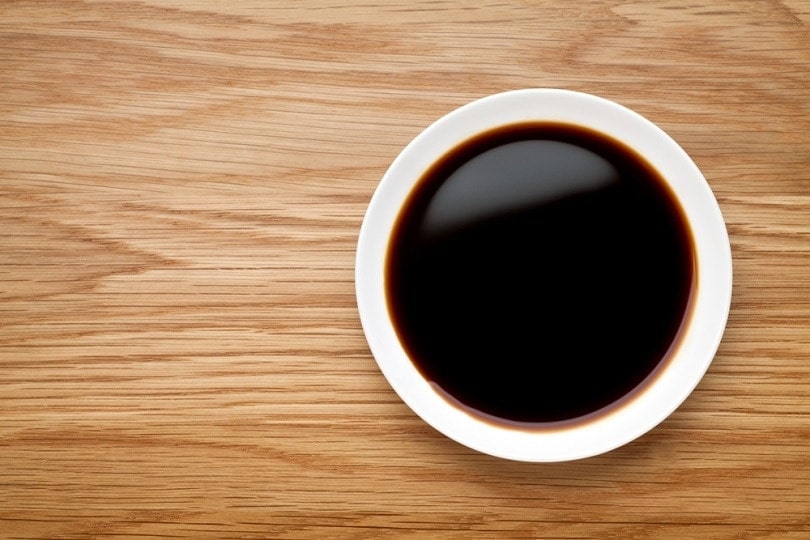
(711, 301)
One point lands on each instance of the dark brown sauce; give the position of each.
(539, 273)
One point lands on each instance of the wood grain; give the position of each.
(181, 187)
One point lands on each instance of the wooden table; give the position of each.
(181, 187)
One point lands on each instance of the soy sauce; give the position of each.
(540, 273)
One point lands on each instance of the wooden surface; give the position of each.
(181, 187)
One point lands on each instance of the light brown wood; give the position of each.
(181, 187)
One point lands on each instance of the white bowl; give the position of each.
(698, 343)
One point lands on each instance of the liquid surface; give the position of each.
(539, 273)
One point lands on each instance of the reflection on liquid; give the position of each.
(479, 189)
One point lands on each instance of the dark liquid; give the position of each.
(539, 273)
